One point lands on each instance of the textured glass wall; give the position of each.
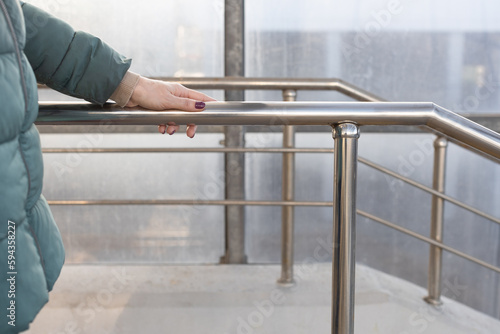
(446, 52)
(128, 233)
(164, 38)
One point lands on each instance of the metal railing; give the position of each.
(289, 88)
(284, 84)
(345, 119)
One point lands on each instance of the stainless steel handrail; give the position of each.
(457, 128)
(242, 202)
(345, 118)
(188, 150)
(232, 83)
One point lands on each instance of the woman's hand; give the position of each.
(160, 95)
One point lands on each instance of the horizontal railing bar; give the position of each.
(269, 203)
(428, 240)
(188, 202)
(275, 150)
(240, 83)
(457, 128)
(429, 190)
(187, 150)
(216, 129)
(246, 113)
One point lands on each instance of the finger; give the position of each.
(172, 128)
(191, 130)
(162, 128)
(192, 94)
(186, 104)
(195, 95)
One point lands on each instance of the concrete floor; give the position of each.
(240, 299)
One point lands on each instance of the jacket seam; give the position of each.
(27, 169)
(63, 58)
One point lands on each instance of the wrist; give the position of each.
(138, 93)
(124, 92)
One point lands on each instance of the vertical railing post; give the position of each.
(344, 227)
(287, 188)
(437, 215)
(234, 136)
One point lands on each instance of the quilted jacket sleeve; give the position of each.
(72, 62)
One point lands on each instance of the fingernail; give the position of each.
(172, 132)
(199, 105)
(163, 132)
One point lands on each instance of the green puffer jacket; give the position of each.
(34, 43)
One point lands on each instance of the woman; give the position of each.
(35, 46)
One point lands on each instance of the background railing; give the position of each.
(417, 114)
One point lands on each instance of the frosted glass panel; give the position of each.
(400, 50)
(164, 38)
(444, 52)
(136, 234)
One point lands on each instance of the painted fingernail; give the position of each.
(199, 105)
(163, 132)
(172, 132)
